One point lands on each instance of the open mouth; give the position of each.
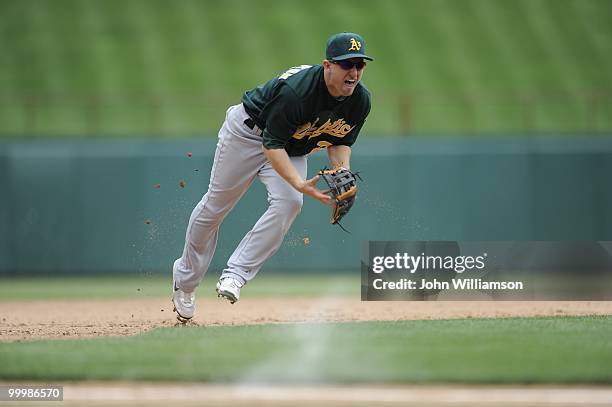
(350, 82)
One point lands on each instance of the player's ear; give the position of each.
(326, 64)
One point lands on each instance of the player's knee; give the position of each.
(290, 206)
(294, 204)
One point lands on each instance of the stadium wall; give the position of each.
(114, 206)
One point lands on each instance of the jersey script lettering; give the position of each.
(338, 128)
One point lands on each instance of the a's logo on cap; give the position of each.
(355, 45)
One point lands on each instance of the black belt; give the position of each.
(250, 123)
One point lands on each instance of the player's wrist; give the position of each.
(299, 185)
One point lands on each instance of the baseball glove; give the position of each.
(342, 189)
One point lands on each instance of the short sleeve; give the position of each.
(282, 114)
(350, 138)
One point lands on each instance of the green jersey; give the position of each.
(297, 113)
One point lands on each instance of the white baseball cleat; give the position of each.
(184, 303)
(229, 288)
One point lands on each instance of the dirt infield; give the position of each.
(33, 320)
(222, 395)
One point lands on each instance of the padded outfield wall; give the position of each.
(102, 206)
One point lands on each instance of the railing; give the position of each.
(417, 112)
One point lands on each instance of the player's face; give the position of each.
(344, 76)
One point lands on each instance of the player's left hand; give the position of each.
(343, 189)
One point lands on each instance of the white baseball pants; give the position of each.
(239, 158)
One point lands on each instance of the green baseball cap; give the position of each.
(345, 46)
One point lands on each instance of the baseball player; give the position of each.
(269, 136)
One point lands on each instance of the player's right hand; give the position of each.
(309, 188)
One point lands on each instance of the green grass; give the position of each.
(101, 287)
(73, 67)
(533, 350)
